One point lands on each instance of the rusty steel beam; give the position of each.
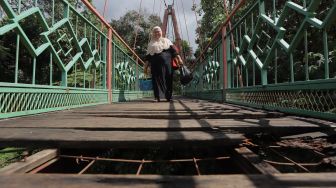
(87, 167)
(178, 39)
(141, 161)
(140, 167)
(290, 160)
(109, 64)
(196, 166)
(165, 22)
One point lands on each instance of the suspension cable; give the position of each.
(170, 22)
(102, 25)
(239, 72)
(185, 22)
(150, 32)
(153, 7)
(180, 28)
(137, 25)
(198, 25)
(105, 8)
(165, 3)
(160, 8)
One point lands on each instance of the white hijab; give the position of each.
(156, 46)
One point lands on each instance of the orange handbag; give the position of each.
(174, 63)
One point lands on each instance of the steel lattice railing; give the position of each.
(279, 55)
(55, 55)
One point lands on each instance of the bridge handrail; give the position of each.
(102, 19)
(226, 22)
(62, 57)
(277, 56)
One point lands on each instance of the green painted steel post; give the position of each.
(114, 67)
(110, 64)
(263, 70)
(17, 58)
(64, 77)
(247, 76)
(264, 80)
(276, 67)
(34, 71)
(51, 69)
(137, 75)
(228, 61)
(326, 54)
(261, 7)
(291, 60)
(306, 48)
(237, 77)
(75, 67)
(51, 55)
(254, 73)
(105, 69)
(64, 82)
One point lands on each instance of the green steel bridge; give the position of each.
(274, 56)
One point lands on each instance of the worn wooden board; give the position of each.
(56, 121)
(145, 124)
(65, 138)
(153, 181)
(31, 162)
(251, 162)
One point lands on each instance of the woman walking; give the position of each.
(160, 52)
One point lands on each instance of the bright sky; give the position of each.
(117, 8)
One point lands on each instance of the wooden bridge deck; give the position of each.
(145, 124)
(181, 123)
(230, 181)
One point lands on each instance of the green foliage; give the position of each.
(187, 50)
(33, 29)
(4, 52)
(131, 22)
(213, 17)
(8, 157)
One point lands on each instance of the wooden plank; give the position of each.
(50, 121)
(178, 109)
(277, 126)
(313, 180)
(31, 162)
(184, 115)
(65, 138)
(107, 125)
(251, 162)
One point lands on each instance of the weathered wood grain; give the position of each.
(316, 180)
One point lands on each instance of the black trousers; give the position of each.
(162, 75)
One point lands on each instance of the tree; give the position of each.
(131, 22)
(213, 17)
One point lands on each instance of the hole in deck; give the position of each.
(168, 161)
(297, 154)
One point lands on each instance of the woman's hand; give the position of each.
(180, 62)
(146, 69)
